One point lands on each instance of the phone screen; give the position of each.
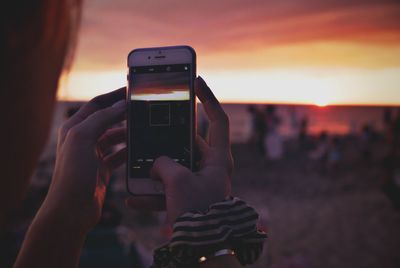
(160, 121)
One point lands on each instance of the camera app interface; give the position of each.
(160, 116)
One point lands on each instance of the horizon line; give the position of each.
(394, 105)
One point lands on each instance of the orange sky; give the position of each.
(161, 83)
(332, 51)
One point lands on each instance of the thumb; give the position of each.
(168, 171)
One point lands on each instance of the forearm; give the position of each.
(222, 261)
(53, 240)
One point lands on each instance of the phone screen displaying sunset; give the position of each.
(159, 118)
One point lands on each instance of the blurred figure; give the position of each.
(303, 133)
(294, 122)
(391, 179)
(368, 136)
(353, 130)
(273, 141)
(396, 133)
(252, 110)
(391, 164)
(334, 154)
(387, 120)
(327, 153)
(258, 128)
(321, 149)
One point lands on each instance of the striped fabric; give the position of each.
(230, 222)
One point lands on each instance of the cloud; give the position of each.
(231, 27)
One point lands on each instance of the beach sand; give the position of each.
(315, 217)
(337, 218)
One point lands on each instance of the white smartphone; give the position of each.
(161, 113)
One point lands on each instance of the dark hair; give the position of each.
(37, 40)
(44, 27)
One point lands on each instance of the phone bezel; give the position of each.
(159, 56)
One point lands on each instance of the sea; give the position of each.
(335, 120)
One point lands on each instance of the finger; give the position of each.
(110, 138)
(97, 123)
(116, 159)
(202, 145)
(154, 203)
(167, 170)
(219, 122)
(200, 152)
(95, 104)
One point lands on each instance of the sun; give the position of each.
(321, 103)
(321, 100)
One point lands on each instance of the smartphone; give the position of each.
(161, 113)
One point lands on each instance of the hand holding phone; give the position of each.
(85, 161)
(186, 190)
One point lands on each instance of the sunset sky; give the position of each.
(314, 52)
(161, 86)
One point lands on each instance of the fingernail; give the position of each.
(201, 80)
(120, 104)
